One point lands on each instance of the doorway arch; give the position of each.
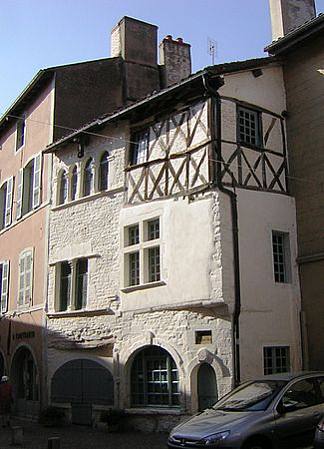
(207, 386)
(25, 380)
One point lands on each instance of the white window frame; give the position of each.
(4, 286)
(23, 299)
(274, 347)
(24, 183)
(142, 248)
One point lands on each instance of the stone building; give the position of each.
(300, 48)
(172, 248)
(56, 101)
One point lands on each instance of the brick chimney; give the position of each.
(175, 59)
(135, 41)
(286, 15)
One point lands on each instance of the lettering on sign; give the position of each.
(23, 335)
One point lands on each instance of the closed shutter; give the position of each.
(8, 210)
(21, 279)
(37, 181)
(20, 192)
(28, 276)
(5, 286)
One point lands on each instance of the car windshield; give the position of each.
(254, 396)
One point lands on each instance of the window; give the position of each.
(29, 186)
(300, 395)
(276, 359)
(154, 379)
(281, 256)
(20, 136)
(142, 259)
(6, 194)
(88, 179)
(63, 188)
(72, 285)
(25, 277)
(203, 337)
(139, 148)
(249, 127)
(4, 286)
(74, 183)
(103, 172)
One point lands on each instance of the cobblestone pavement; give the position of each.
(78, 437)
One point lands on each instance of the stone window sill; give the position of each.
(133, 288)
(75, 313)
(87, 198)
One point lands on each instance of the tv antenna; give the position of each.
(212, 49)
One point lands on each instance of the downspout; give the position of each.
(215, 133)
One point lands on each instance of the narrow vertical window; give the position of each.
(25, 277)
(104, 172)
(81, 283)
(63, 188)
(154, 264)
(20, 139)
(88, 180)
(134, 267)
(20, 193)
(4, 286)
(28, 188)
(65, 286)
(139, 149)
(249, 128)
(74, 183)
(8, 206)
(3, 201)
(281, 256)
(37, 175)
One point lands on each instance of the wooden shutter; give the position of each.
(5, 286)
(20, 192)
(37, 180)
(28, 276)
(21, 279)
(8, 209)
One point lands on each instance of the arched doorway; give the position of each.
(207, 386)
(154, 379)
(25, 379)
(82, 383)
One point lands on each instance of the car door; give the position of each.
(296, 415)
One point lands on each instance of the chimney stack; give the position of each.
(175, 59)
(286, 15)
(135, 41)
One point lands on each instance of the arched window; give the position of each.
(63, 186)
(88, 179)
(74, 183)
(154, 379)
(103, 172)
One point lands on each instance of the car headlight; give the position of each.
(215, 438)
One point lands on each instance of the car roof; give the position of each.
(291, 376)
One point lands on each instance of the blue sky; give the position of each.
(36, 34)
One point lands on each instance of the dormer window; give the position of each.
(20, 137)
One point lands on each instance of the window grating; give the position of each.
(248, 127)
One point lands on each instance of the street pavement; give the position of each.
(79, 437)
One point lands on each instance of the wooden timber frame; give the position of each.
(191, 169)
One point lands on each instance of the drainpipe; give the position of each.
(215, 132)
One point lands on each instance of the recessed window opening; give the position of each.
(203, 337)
(104, 172)
(281, 256)
(249, 126)
(276, 359)
(139, 148)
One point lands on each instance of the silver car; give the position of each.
(278, 411)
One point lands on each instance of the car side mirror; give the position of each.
(282, 409)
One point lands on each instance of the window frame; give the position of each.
(20, 130)
(104, 157)
(274, 359)
(4, 286)
(22, 301)
(259, 144)
(72, 303)
(136, 138)
(286, 255)
(142, 246)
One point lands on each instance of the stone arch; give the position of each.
(221, 373)
(63, 174)
(82, 380)
(127, 356)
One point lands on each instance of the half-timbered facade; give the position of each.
(171, 249)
